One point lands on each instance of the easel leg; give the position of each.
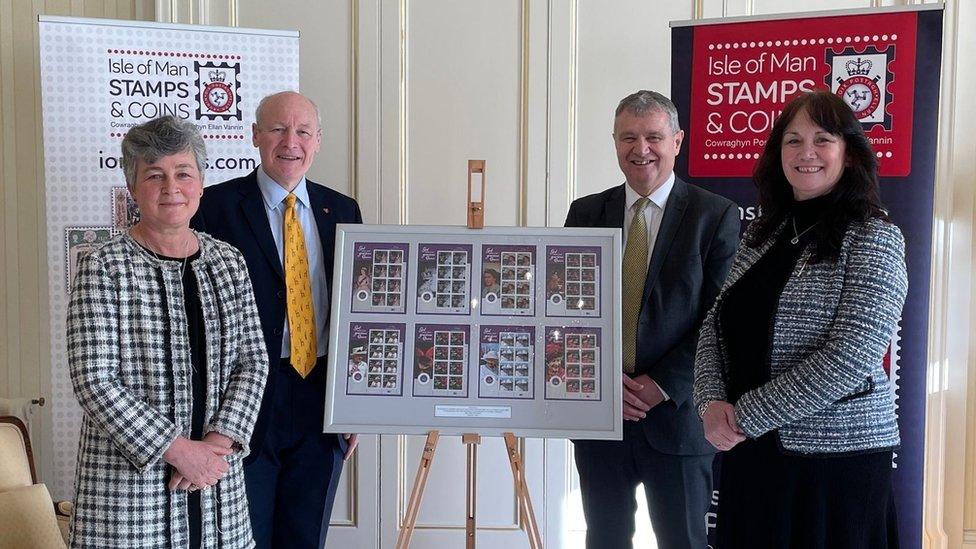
(522, 491)
(471, 442)
(417, 493)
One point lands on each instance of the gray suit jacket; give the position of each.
(691, 257)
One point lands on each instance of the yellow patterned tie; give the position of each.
(634, 273)
(301, 316)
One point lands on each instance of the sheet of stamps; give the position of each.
(508, 280)
(440, 365)
(125, 212)
(572, 363)
(573, 281)
(444, 279)
(375, 364)
(379, 280)
(79, 242)
(505, 368)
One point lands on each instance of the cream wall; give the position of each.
(410, 89)
(25, 358)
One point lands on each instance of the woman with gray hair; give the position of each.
(167, 360)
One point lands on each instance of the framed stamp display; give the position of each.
(476, 331)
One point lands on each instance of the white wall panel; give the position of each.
(326, 54)
(621, 50)
(463, 100)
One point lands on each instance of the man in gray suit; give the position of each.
(680, 240)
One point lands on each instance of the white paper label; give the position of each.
(495, 412)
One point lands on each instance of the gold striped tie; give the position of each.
(634, 272)
(301, 316)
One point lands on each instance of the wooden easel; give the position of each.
(471, 441)
(476, 220)
(476, 200)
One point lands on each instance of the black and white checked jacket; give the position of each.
(129, 362)
(828, 392)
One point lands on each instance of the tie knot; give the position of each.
(290, 200)
(641, 205)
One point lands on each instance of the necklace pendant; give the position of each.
(795, 240)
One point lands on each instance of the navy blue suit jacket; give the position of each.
(234, 212)
(692, 255)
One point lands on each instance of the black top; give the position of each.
(748, 310)
(196, 335)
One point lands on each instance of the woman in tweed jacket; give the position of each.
(789, 377)
(167, 360)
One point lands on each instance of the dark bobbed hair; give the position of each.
(854, 198)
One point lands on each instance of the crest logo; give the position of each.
(861, 79)
(217, 95)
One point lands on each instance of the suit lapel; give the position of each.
(613, 209)
(325, 220)
(674, 212)
(252, 207)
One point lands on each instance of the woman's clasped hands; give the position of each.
(720, 427)
(198, 463)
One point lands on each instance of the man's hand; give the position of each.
(353, 440)
(651, 393)
(720, 427)
(634, 408)
(196, 462)
(640, 395)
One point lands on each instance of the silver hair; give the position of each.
(642, 102)
(266, 98)
(157, 138)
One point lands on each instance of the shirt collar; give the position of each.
(274, 194)
(659, 197)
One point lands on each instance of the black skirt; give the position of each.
(768, 499)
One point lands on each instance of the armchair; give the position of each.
(28, 517)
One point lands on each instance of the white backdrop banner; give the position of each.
(99, 78)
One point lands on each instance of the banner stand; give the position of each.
(731, 78)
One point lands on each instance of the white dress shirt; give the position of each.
(274, 205)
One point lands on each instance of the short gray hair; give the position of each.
(264, 101)
(157, 138)
(642, 102)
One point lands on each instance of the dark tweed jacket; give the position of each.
(828, 392)
(129, 362)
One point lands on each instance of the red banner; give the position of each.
(743, 73)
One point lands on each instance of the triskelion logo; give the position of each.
(217, 95)
(862, 80)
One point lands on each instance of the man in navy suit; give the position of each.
(293, 468)
(680, 242)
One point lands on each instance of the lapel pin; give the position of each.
(326, 210)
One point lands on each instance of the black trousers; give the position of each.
(291, 484)
(678, 491)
